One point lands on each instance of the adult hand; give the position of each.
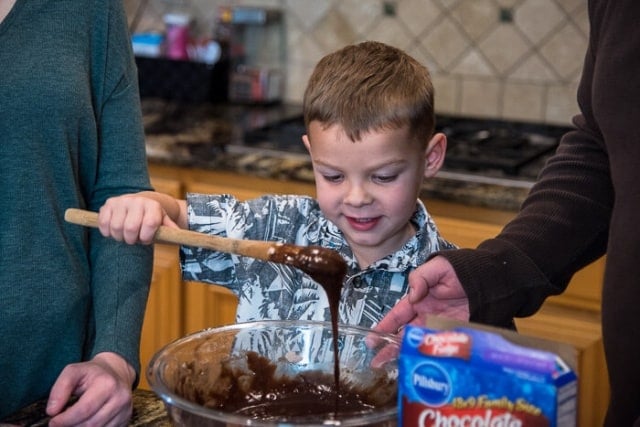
(434, 290)
(104, 389)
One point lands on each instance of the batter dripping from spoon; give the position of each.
(326, 267)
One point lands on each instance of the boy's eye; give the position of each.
(385, 178)
(333, 178)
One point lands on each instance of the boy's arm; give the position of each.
(135, 218)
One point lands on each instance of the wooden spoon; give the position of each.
(324, 265)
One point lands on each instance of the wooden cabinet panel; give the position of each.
(195, 176)
(583, 331)
(465, 234)
(207, 306)
(163, 316)
(172, 187)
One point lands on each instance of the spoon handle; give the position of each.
(252, 248)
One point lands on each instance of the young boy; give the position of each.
(368, 111)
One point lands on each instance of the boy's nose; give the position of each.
(357, 195)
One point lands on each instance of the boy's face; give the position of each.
(369, 188)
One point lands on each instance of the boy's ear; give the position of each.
(305, 141)
(434, 154)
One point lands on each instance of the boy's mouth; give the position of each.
(362, 224)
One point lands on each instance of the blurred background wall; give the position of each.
(511, 59)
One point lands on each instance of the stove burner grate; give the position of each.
(475, 145)
(478, 144)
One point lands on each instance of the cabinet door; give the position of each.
(172, 187)
(581, 330)
(163, 318)
(465, 234)
(585, 289)
(207, 306)
(163, 315)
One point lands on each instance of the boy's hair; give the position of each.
(371, 86)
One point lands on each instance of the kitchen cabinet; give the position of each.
(163, 316)
(573, 317)
(583, 331)
(207, 306)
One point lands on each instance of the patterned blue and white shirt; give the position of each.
(274, 291)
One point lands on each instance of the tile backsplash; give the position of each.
(511, 59)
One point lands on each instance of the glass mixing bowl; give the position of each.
(278, 373)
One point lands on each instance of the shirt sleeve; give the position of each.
(267, 218)
(121, 274)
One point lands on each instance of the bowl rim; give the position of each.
(169, 397)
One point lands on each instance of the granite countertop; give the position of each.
(148, 411)
(211, 137)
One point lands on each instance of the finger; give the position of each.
(62, 390)
(87, 410)
(151, 221)
(386, 354)
(86, 413)
(132, 224)
(401, 314)
(147, 234)
(418, 284)
(101, 402)
(167, 221)
(117, 224)
(73, 380)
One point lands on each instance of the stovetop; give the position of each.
(507, 146)
(477, 149)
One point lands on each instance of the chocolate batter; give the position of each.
(248, 384)
(328, 268)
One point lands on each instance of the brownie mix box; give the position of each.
(468, 377)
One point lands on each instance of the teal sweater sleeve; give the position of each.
(120, 272)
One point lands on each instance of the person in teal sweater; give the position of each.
(71, 135)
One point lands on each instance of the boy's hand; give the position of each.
(132, 218)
